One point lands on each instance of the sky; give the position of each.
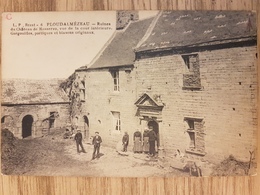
(52, 56)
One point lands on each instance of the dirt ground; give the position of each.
(52, 155)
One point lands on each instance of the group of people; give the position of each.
(96, 141)
(146, 145)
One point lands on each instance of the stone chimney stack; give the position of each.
(124, 17)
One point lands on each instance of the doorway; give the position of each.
(155, 127)
(27, 126)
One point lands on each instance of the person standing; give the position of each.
(125, 141)
(146, 141)
(96, 142)
(137, 141)
(78, 138)
(152, 139)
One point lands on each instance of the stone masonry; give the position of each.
(40, 115)
(101, 100)
(226, 102)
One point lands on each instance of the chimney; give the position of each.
(124, 17)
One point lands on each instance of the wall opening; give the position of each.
(191, 78)
(116, 122)
(196, 132)
(27, 126)
(154, 125)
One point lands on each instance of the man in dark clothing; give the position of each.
(146, 141)
(125, 141)
(78, 138)
(96, 142)
(152, 139)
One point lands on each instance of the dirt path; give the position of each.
(113, 164)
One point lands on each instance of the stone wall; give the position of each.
(223, 107)
(101, 100)
(225, 103)
(39, 113)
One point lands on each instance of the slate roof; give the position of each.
(193, 28)
(119, 51)
(25, 91)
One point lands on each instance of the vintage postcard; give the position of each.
(129, 93)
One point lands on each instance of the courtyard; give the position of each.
(53, 155)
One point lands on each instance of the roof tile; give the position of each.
(120, 50)
(226, 25)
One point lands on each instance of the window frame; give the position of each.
(116, 121)
(191, 72)
(192, 131)
(186, 59)
(83, 90)
(115, 76)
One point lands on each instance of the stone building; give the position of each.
(110, 99)
(192, 76)
(33, 107)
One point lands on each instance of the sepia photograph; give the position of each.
(129, 93)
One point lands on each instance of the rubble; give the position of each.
(8, 145)
(231, 166)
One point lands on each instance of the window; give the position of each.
(196, 134)
(186, 59)
(191, 132)
(191, 77)
(191, 124)
(115, 75)
(116, 121)
(82, 91)
(192, 139)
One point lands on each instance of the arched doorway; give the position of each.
(86, 127)
(155, 127)
(27, 126)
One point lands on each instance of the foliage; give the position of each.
(72, 87)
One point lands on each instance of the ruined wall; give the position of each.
(225, 104)
(101, 100)
(39, 113)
